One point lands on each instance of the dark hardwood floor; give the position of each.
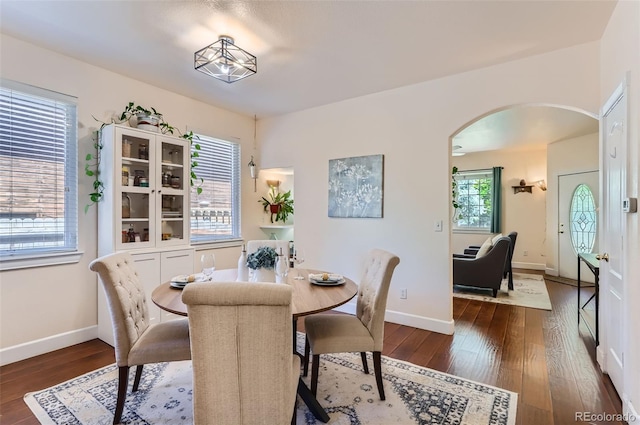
(542, 355)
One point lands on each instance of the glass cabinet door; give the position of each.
(134, 194)
(171, 203)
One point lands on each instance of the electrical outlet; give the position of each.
(525, 253)
(403, 294)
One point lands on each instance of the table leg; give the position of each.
(303, 391)
(578, 290)
(597, 295)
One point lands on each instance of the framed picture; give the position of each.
(356, 186)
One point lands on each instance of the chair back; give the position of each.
(373, 291)
(242, 352)
(126, 300)
(252, 246)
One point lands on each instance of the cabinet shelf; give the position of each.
(277, 226)
(136, 161)
(135, 219)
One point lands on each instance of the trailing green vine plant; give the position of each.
(91, 167)
(454, 194)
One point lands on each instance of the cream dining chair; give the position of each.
(136, 341)
(339, 333)
(244, 369)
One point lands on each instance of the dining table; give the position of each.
(307, 298)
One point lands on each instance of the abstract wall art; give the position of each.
(356, 186)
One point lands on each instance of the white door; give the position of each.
(612, 283)
(577, 226)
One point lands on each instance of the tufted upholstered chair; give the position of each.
(244, 369)
(337, 333)
(136, 341)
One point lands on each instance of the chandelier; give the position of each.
(225, 61)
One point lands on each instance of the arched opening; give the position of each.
(534, 144)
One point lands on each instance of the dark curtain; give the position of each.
(496, 201)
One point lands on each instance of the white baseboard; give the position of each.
(530, 266)
(420, 322)
(551, 272)
(45, 345)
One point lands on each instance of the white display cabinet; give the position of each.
(144, 209)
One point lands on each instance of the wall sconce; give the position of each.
(273, 184)
(541, 184)
(254, 175)
(524, 187)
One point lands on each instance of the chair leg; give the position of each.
(123, 383)
(314, 373)
(365, 366)
(495, 293)
(136, 380)
(305, 361)
(294, 418)
(377, 367)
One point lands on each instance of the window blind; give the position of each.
(38, 171)
(215, 213)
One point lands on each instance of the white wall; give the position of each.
(620, 53)
(521, 212)
(43, 302)
(569, 156)
(411, 126)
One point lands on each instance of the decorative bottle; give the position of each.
(243, 270)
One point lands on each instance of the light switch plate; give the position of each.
(437, 226)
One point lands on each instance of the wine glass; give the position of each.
(281, 268)
(298, 258)
(208, 262)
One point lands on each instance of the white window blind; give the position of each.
(215, 213)
(38, 171)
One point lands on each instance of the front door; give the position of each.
(577, 220)
(612, 283)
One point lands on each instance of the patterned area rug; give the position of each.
(415, 395)
(529, 290)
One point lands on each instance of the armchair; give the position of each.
(472, 251)
(485, 271)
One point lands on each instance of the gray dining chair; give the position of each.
(244, 369)
(339, 333)
(136, 341)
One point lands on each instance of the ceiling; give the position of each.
(310, 53)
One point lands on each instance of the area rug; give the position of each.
(414, 395)
(529, 290)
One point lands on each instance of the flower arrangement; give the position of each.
(264, 257)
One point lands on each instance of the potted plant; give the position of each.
(279, 205)
(261, 262)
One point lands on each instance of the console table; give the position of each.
(594, 265)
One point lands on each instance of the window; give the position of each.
(583, 219)
(476, 196)
(38, 172)
(215, 213)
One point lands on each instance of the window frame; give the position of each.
(69, 253)
(465, 175)
(235, 238)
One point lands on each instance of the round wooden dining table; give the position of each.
(307, 298)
